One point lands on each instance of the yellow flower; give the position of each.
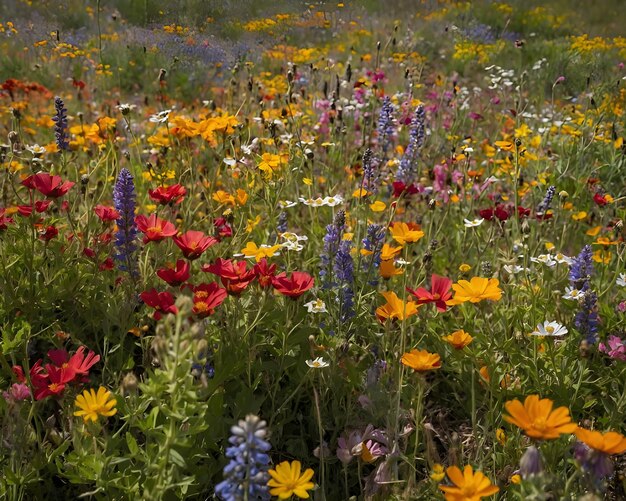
(468, 486)
(404, 233)
(476, 290)
(516, 479)
(458, 339)
(286, 480)
(378, 206)
(579, 216)
(223, 197)
(609, 443)
(93, 405)
(388, 252)
(395, 307)
(258, 253)
(437, 472)
(421, 360)
(464, 268)
(537, 418)
(500, 436)
(252, 223)
(388, 269)
(270, 164)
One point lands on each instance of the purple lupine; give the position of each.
(60, 124)
(245, 476)
(332, 240)
(407, 170)
(581, 269)
(371, 174)
(126, 235)
(544, 205)
(594, 463)
(344, 274)
(586, 320)
(386, 125)
(281, 226)
(373, 242)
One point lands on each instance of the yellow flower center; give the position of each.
(549, 329)
(155, 229)
(540, 424)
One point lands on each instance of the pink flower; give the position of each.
(616, 348)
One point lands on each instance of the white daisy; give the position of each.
(316, 306)
(473, 223)
(621, 280)
(318, 363)
(572, 294)
(546, 259)
(550, 329)
(513, 269)
(561, 258)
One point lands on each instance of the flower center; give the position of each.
(155, 229)
(540, 424)
(550, 329)
(436, 296)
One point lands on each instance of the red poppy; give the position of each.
(165, 195)
(106, 213)
(48, 185)
(19, 373)
(499, 211)
(522, 212)
(49, 233)
(162, 302)
(600, 199)
(76, 365)
(293, 286)
(154, 228)
(193, 243)
(206, 298)
(234, 275)
(439, 292)
(175, 276)
(5, 221)
(264, 273)
(106, 265)
(399, 188)
(222, 228)
(51, 384)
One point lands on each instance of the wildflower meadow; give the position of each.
(362, 250)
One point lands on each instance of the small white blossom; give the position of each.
(318, 363)
(316, 306)
(621, 280)
(546, 259)
(572, 294)
(285, 204)
(161, 117)
(513, 269)
(562, 259)
(551, 329)
(473, 223)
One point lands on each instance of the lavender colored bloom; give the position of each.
(407, 170)
(126, 235)
(543, 207)
(245, 476)
(386, 124)
(581, 269)
(281, 226)
(344, 273)
(594, 463)
(60, 124)
(531, 463)
(332, 240)
(373, 242)
(586, 320)
(371, 175)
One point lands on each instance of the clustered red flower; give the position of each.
(52, 378)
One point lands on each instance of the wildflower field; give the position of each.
(333, 251)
